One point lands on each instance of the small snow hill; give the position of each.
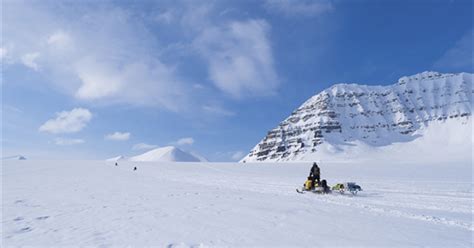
(167, 154)
(118, 158)
(17, 157)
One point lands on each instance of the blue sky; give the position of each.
(97, 79)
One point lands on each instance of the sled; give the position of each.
(351, 187)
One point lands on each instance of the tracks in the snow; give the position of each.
(390, 209)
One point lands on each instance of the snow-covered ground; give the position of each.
(59, 203)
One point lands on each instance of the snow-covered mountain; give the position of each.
(424, 115)
(16, 157)
(166, 154)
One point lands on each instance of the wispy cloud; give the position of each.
(236, 156)
(112, 55)
(60, 39)
(230, 155)
(118, 136)
(108, 57)
(143, 146)
(29, 60)
(458, 57)
(3, 53)
(165, 17)
(184, 141)
(67, 142)
(240, 58)
(215, 109)
(67, 121)
(299, 8)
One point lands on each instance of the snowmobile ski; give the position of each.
(300, 191)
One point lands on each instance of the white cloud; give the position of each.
(198, 86)
(240, 58)
(237, 155)
(67, 121)
(185, 141)
(59, 39)
(165, 17)
(214, 109)
(66, 141)
(143, 146)
(297, 8)
(141, 83)
(118, 136)
(458, 57)
(230, 155)
(29, 60)
(3, 53)
(115, 57)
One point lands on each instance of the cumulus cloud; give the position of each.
(67, 142)
(297, 8)
(458, 57)
(240, 58)
(118, 136)
(143, 146)
(29, 60)
(67, 121)
(185, 141)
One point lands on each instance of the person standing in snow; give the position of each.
(315, 173)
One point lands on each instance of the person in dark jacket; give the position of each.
(315, 173)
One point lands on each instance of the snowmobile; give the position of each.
(318, 188)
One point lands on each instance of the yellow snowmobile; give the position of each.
(318, 187)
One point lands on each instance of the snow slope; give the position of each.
(167, 154)
(352, 119)
(94, 203)
(115, 159)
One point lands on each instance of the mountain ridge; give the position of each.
(345, 114)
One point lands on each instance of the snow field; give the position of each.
(94, 203)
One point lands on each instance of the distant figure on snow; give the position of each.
(116, 164)
(315, 173)
(135, 168)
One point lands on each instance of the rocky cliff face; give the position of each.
(374, 115)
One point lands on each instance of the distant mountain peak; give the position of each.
(168, 154)
(16, 157)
